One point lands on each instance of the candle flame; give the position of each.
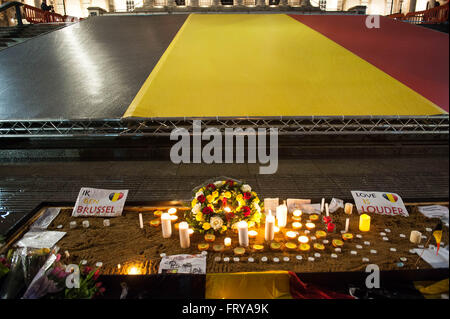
(133, 271)
(172, 211)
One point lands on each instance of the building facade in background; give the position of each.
(79, 8)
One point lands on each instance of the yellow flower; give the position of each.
(209, 198)
(199, 216)
(211, 206)
(227, 194)
(224, 228)
(239, 197)
(251, 224)
(256, 200)
(206, 226)
(215, 194)
(254, 194)
(194, 202)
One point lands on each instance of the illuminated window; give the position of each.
(204, 3)
(160, 3)
(295, 3)
(249, 2)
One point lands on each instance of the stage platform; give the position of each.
(145, 75)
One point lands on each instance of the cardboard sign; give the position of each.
(382, 203)
(94, 202)
(183, 264)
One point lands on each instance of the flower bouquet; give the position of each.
(219, 205)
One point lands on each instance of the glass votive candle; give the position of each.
(303, 239)
(296, 225)
(276, 229)
(172, 211)
(348, 208)
(173, 218)
(297, 213)
(227, 241)
(291, 235)
(310, 226)
(252, 234)
(190, 231)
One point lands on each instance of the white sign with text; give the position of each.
(383, 203)
(94, 202)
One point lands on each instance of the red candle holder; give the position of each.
(330, 227)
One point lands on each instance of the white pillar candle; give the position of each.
(347, 224)
(327, 210)
(415, 237)
(106, 223)
(270, 228)
(227, 241)
(243, 233)
(184, 235)
(141, 222)
(282, 215)
(73, 224)
(85, 223)
(322, 205)
(166, 225)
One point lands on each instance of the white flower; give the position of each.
(216, 222)
(257, 207)
(246, 188)
(198, 194)
(196, 208)
(219, 183)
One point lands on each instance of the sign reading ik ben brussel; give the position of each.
(383, 203)
(99, 202)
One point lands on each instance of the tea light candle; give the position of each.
(348, 208)
(106, 223)
(166, 225)
(141, 222)
(173, 218)
(250, 259)
(297, 213)
(303, 239)
(243, 233)
(296, 225)
(282, 215)
(217, 259)
(310, 226)
(347, 224)
(264, 259)
(286, 259)
(184, 235)
(85, 223)
(226, 259)
(291, 235)
(172, 211)
(270, 228)
(276, 229)
(415, 237)
(227, 241)
(72, 225)
(276, 259)
(364, 222)
(252, 233)
(299, 257)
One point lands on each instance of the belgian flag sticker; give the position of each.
(390, 197)
(114, 197)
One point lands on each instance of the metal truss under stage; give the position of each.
(392, 125)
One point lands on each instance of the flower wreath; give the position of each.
(221, 205)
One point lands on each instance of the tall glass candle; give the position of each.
(243, 233)
(282, 215)
(270, 228)
(184, 235)
(348, 208)
(364, 222)
(166, 225)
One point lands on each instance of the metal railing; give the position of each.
(434, 15)
(36, 15)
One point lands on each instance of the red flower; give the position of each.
(247, 211)
(229, 216)
(224, 202)
(230, 182)
(96, 274)
(247, 196)
(212, 186)
(201, 198)
(207, 210)
(102, 290)
(87, 270)
(98, 284)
